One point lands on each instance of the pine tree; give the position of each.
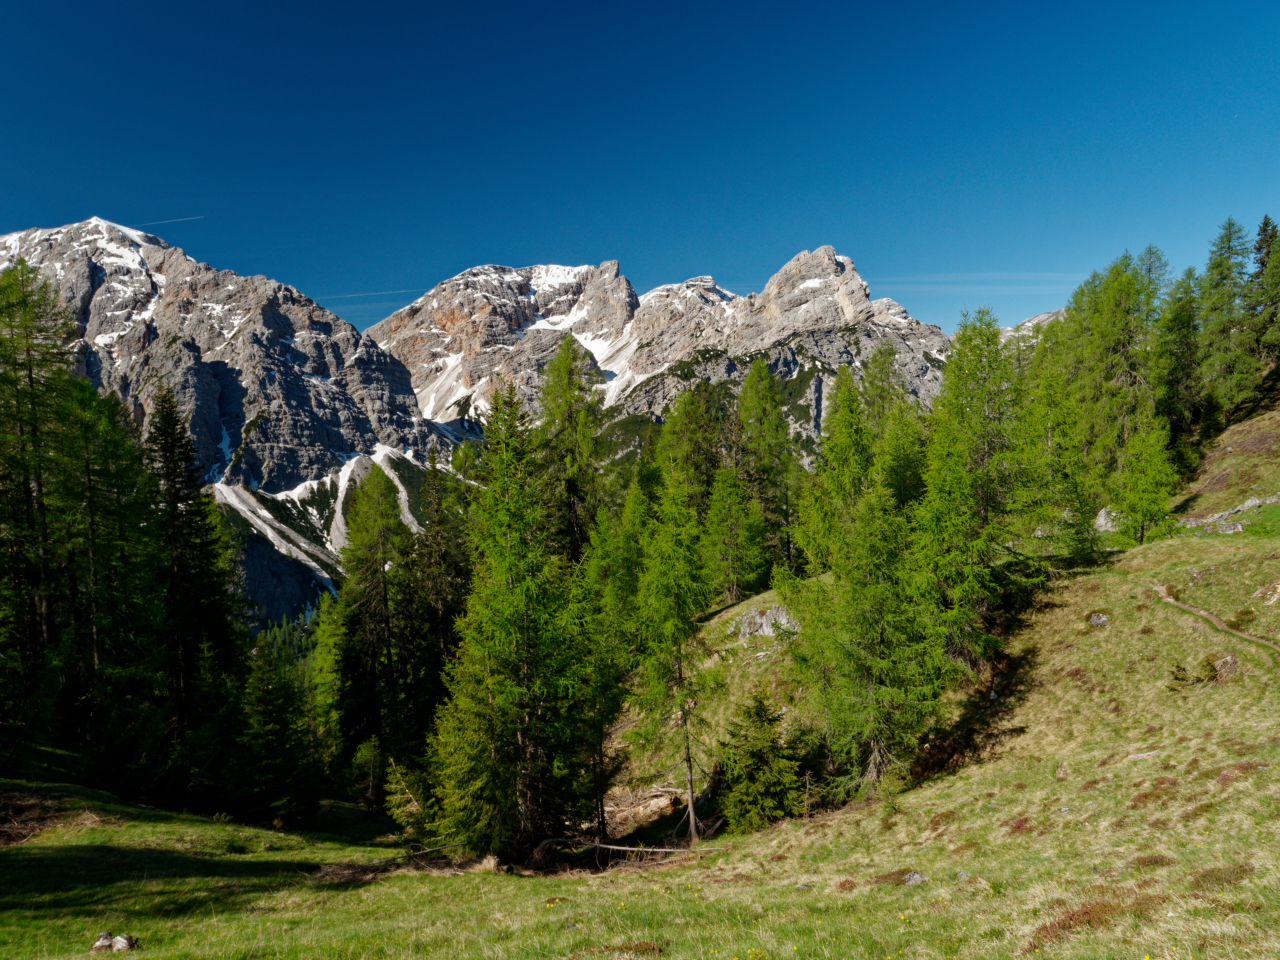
(370, 699)
(672, 593)
(110, 697)
(1231, 348)
(873, 668)
(428, 596)
(768, 464)
(202, 608)
(1265, 288)
(507, 755)
(279, 780)
(762, 785)
(33, 384)
(1146, 479)
(843, 461)
(973, 478)
(566, 441)
(688, 451)
(1263, 247)
(733, 539)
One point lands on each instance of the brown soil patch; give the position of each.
(894, 878)
(23, 815)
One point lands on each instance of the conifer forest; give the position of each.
(489, 679)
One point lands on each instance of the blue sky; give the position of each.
(960, 155)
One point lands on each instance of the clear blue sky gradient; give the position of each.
(961, 156)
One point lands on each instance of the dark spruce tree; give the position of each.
(33, 390)
(202, 615)
(370, 667)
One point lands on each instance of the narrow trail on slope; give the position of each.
(1163, 593)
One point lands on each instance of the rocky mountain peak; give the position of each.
(279, 390)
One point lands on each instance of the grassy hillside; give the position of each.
(1095, 808)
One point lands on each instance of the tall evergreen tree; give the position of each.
(881, 386)
(1264, 284)
(202, 609)
(973, 479)
(688, 451)
(371, 698)
(566, 440)
(33, 387)
(1231, 341)
(1176, 363)
(505, 743)
(279, 778)
(843, 461)
(899, 451)
(873, 670)
(733, 538)
(672, 593)
(428, 596)
(768, 465)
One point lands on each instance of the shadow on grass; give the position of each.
(1266, 398)
(984, 724)
(79, 880)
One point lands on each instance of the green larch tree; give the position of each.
(1231, 361)
(670, 681)
(566, 448)
(973, 479)
(843, 461)
(733, 539)
(1146, 479)
(505, 737)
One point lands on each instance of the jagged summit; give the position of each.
(491, 321)
(279, 390)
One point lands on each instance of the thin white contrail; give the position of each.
(376, 293)
(156, 223)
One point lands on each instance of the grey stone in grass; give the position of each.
(107, 943)
(1235, 527)
(1098, 619)
(913, 879)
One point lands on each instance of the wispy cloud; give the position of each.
(376, 293)
(993, 277)
(156, 223)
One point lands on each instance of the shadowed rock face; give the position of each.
(812, 316)
(279, 390)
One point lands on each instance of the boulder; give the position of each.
(1107, 521)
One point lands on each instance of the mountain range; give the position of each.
(290, 406)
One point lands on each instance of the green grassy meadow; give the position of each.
(1100, 811)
